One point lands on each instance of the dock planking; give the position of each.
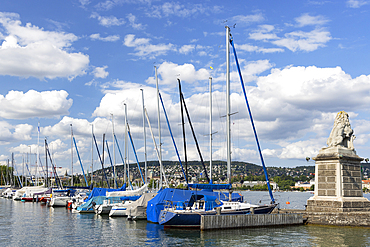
(209, 222)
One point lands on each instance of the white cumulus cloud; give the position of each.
(145, 49)
(169, 72)
(31, 51)
(19, 105)
(99, 72)
(12, 133)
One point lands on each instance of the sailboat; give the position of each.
(187, 213)
(126, 198)
(130, 196)
(160, 202)
(97, 195)
(30, 193)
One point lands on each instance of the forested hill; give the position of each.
(219, 169)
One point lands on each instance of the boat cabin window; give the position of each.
(227, 207)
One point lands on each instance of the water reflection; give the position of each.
(339, 236)
(32, 224)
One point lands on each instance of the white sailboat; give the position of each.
(119, 209)
(181, 214)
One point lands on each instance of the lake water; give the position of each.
(33, 224)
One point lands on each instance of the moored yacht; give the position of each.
(188, 214)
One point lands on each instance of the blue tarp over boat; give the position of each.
(210, 186)
(67, 192)
(89, 205)
(103, 191)
(97, 196)
(176, 195)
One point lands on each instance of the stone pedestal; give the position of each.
(338, 185)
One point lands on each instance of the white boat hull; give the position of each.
(120, 210)
(59, 201)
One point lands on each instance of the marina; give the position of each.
(30, 224)
(75, 163)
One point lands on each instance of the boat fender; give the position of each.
(252, 211)
(218, 210)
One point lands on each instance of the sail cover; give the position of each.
(103, 191)
(176, 195)
(210, 186)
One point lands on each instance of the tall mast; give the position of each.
(155, 145)
(23, 178)
(71, 154)
(46, 166)
(13, 169)
(7, 173)
(210, 129)
(29, 164)
(145, 154)
(126, 137)
(114, 156)
(102, 165)
(11, 175)
(183, 130)
(228, 104)
(37, 152)
(92, 154)
(159, 130)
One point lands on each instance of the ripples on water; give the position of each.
(32, 224)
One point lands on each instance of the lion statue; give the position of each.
(341, 134)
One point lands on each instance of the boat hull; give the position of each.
(102, 209)
(170, 218)
(183, 219)
(118, 211)
(27, 199)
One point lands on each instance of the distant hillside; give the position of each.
(219, 169)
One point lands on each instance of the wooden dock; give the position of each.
(209, 222)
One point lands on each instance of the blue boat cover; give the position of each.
(128, 198)
(97, 200)
(88, 206)
(176, 195)
(211, 186)
(103, 192)
(211, 202)
(68, 192)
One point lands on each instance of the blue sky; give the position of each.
(78, 62)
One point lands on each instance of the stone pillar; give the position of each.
(338, 185)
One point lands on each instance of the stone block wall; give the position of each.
(339, 219)
(351, 179)
(338, 206)
(338, 185)
(326, 173)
